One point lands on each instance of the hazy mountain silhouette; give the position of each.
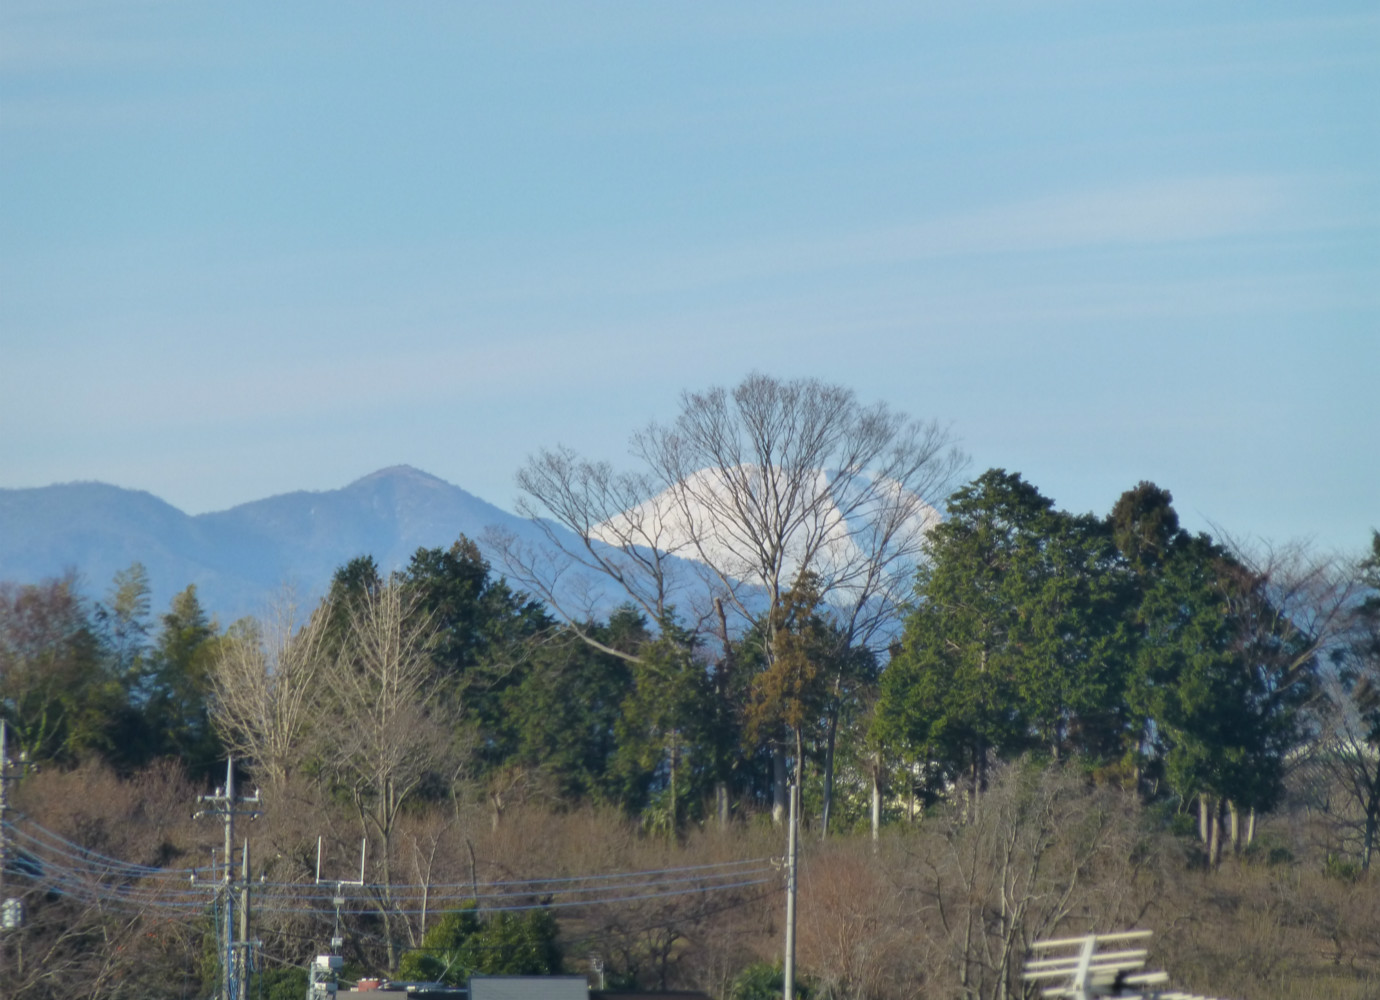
(238, 558)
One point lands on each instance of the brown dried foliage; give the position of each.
(946, 907)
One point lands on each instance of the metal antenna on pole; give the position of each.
(1081, 968)
(225, 804)
(323, 974)
(338, 941)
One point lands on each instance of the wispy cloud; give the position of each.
(1155, 212)
(1144, 214)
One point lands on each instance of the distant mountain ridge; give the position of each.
(238, 557)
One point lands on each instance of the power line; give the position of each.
(116, 866)
(70, 883)
(88, 876)
(70, 871)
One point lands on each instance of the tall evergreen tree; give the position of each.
(952, 695)
(1073, 638)
(666, 759)
(485, 631)
(1217, 681)
(122, 622)
(123, 617)
(561, 719)
(796, 701)
(177, 685)
(1019, 639)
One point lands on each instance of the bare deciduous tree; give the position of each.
(1030, 860)
(1348, 744)
(388, 729)
(773, 479)
(1349, 757)
(857, 930)
(617, 539)
(267, 689)
(1299, 609)
(756, 485)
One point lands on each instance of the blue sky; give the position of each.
(250, 248)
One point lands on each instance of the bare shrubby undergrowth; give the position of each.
(80, 938)
(949, 907)
(945, 907)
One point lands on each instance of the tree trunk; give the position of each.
(1235, 819)
(474, 874)
(876, 797)
(388, 938)
(388, 905)
(675, 761)
(1215, 839)
(979, 779)
(828, 804)
(1372, 827)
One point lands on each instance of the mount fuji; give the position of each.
(720, 517)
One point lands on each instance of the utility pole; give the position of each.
(243, 945)
(225, 804)
(11, 910)
(4, 831)
(792, 836)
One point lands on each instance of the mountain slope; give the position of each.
(238, 557)
(836, 523)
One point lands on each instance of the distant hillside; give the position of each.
(239, 557)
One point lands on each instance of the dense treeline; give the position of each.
(1163, 661)
(513, 702)
(1122, 700)
(1159, 657)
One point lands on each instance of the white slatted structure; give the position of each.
(1098, 965)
